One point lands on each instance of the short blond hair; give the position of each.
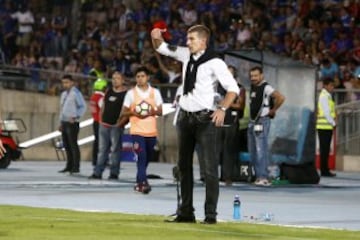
(201, 30)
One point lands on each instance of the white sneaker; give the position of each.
(262, 182)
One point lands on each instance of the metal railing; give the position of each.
(49, 81)
(348, 128)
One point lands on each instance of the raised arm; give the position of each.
(179, 53)
(156, 37)
(163, 68)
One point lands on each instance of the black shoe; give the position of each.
(208, 220)
(182, 219)
(94, 176)
(64, 170)
(328, 174)
(113, 177)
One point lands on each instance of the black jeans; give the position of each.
(229, 149)
(324, 145)
(197, 128)
(70, 132)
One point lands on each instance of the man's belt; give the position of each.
(197, 113)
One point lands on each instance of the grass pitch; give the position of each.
(42, 223)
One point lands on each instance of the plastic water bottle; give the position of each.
(237, 206)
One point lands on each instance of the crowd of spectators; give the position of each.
(323, 33)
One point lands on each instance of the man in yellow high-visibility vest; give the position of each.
(326, 122)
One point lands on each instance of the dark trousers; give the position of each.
(325, 143)
(95, 149)
(197, 128)
(70, 132)
(228, 154)
(145, 152)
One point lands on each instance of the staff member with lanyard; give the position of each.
(199, 115)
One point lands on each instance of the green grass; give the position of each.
(41, 224)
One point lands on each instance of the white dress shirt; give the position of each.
(208, 75)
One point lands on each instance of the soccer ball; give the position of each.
(143, 108)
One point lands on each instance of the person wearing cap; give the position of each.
(111, 129)
(72, 108)
(96, 101)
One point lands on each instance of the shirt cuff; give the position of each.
(162, 47)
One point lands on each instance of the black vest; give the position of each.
(257, 98)
(231, 115)
(113, 102)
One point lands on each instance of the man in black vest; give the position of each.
(199, 115)
(262, 96)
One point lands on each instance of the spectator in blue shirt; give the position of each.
(329, 69)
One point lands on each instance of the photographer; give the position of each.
(261, 97)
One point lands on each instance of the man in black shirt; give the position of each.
(111, 129)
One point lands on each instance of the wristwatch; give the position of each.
(222, 108)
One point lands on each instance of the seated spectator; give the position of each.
(342, 44)
(355, 51)
(243, 34)
(329, 69)
(188, 14)
(121, 63)
(277, 45)
(35, 83)
(72, 67)
(221, 42)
